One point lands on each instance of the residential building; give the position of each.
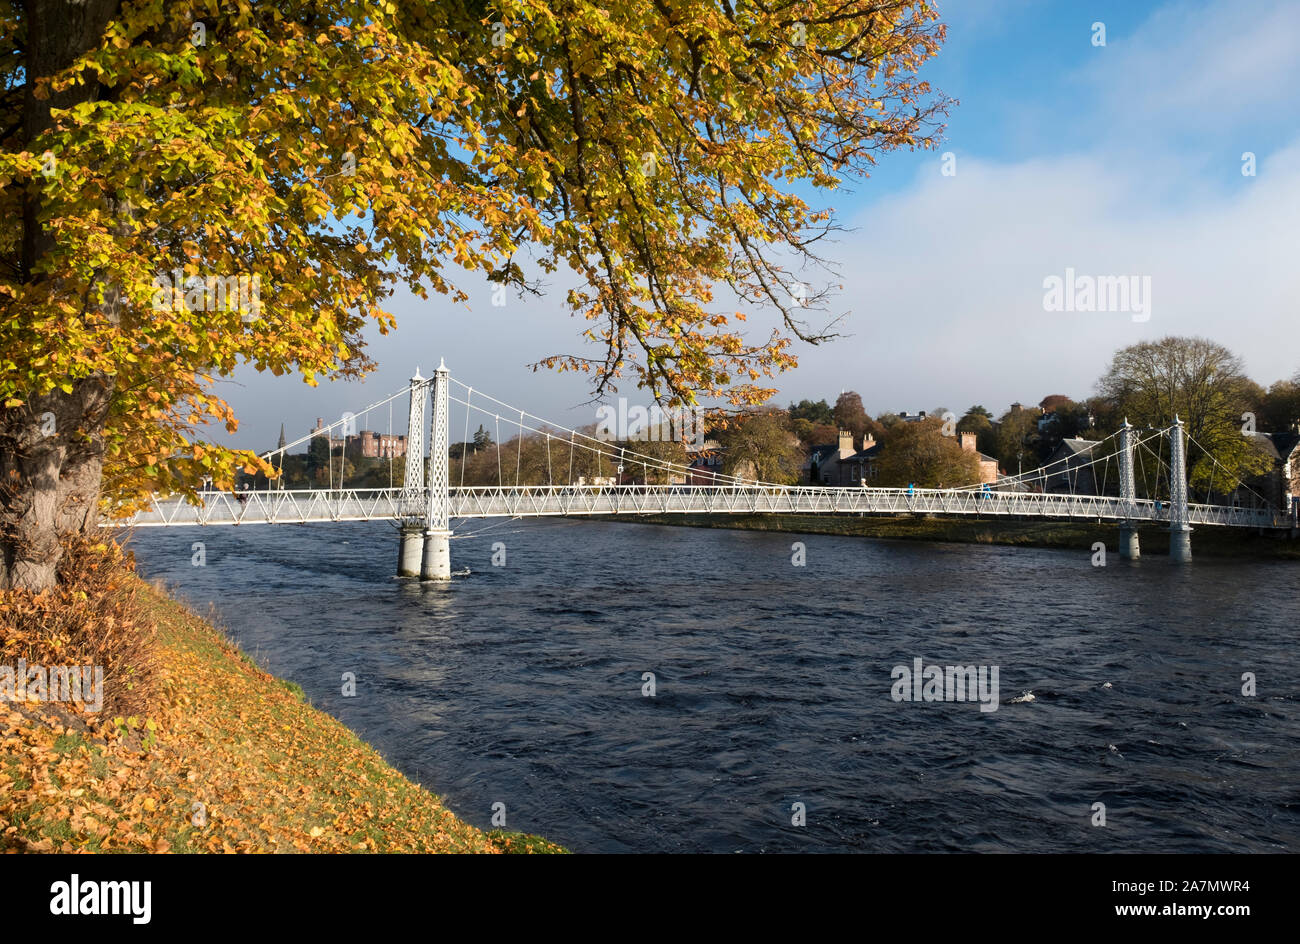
(861, 468)
(1279, 487)
(704, 464)
(822, 467)
(1068, 470)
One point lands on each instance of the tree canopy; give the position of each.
(818, 413)
(850, 414)
(185, 188)
(920, 454)
(760, 447)
(1197, 381)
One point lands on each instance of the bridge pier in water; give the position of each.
(1129, 547)
(425, 537)
(1180, 529)
(435, 561)
(424, 548)
(410, 552)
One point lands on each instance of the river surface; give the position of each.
(525, 684)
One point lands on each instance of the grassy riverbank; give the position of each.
(218, 756)
(1207, 541)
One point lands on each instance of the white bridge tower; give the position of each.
(423, 508)
(1180, 529)
(436, 561)
(1129, 546)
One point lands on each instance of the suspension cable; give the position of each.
(519, 457)
(464, 460)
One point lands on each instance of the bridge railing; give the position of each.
(292, 506)
(547, 500)
(279, 507)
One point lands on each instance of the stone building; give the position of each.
(366, 443)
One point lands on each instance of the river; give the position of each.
(773, 684)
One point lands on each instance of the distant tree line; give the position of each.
(1199, 381)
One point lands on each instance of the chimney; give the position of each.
(967, 442)
(868, 441)
(846, 440)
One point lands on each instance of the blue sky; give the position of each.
(1117, 160)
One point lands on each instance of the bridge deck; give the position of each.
(301, 506)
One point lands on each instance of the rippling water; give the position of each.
(523, 684)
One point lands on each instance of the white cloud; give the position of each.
(946, 279)
(1207, 66)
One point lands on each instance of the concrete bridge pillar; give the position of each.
(1180, 529)
(436, 560)
(411, 550)
(411, 507)
(1129, 546)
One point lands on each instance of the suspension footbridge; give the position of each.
(426, 503)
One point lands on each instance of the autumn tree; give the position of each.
(1279, 408)
(920, 454)
(653, 461)
(760, 446)
(850, 414)
(816, 413)
(1198, 381)
(318, 458)
(1016, 440)
(812, 435)
(187, 188)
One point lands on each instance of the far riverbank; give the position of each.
(1080, 535)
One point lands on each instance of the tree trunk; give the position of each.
(51, 448)
(51, 464)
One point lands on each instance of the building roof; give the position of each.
(1264, 443)
(1076, 446)
(862, 455)
(1284, 443)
